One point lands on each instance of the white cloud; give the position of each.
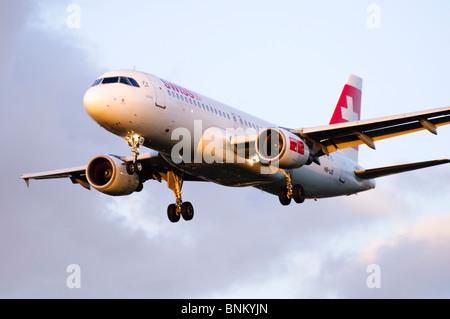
(431, 230)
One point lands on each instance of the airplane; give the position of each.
(194, 138)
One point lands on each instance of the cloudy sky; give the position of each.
(285, 61)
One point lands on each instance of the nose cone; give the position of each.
(95, 104)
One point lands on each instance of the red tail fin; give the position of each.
(348, 109)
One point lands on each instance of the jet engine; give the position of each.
(109, 175)
(281, 148)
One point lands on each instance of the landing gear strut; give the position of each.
(174, 182)
(134, 141)
(286, 194)
(180, 208)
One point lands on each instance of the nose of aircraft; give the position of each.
(94, 103)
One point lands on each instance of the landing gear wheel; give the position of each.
(283, 196)
(138, 167)
(172, 213)
(298, 193)
(131, 168)
(187, 211)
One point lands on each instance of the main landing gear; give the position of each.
(286, 194)
(180, 208)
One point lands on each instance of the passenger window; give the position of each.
(133, 82)
(207, 107)
(234, 118)
(113, 79)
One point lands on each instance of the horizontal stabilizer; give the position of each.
(390, 170)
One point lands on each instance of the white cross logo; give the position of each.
(348, 112)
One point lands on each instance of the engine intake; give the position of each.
(109, 175)
(281, 148)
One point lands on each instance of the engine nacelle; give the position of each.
(109, 175)
(281, 148)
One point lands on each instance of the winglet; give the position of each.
(27, 180)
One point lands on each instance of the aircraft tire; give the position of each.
(187, 211)
(298, 193)
(282, 196)
(131, 168)
(172, 213)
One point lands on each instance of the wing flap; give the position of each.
(390, 170)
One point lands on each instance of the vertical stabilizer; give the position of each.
(348, 109)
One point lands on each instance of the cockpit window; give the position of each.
(124, 80)
(116, 79)
(113, 79)
(97, 82)
(133, 82)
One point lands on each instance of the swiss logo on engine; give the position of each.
(297, 146)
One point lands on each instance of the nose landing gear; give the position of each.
(134, 141)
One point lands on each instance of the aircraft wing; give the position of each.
(156, 168)
(76, 174)
(330, 138)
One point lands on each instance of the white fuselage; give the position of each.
(158, 110)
